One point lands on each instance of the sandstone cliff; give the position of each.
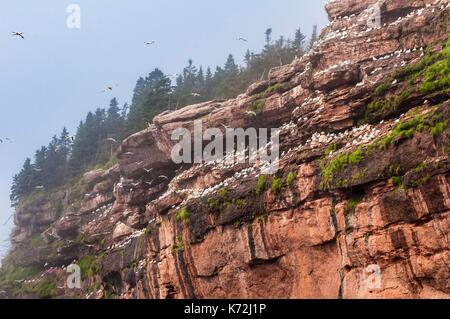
(363, 186)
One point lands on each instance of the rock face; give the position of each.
(360, 207)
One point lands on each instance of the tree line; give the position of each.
(99, 134)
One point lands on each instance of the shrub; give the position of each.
(178, 245)
(420, 168)
(261, 184)
(291, 178)
(258, 106)
(381, 89)
(183, 215)
(397, 181)
(277, 184)
(89, 266)
(337, 164)
(45, 289)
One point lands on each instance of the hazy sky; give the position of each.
(56, 75)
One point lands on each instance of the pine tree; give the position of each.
(299, 42)
(268, 36)
(313, 37)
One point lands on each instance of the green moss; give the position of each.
(381, 89)
(432, 71)
(37, 241)
(219, 202)
(239, 203)
(352, 204)
(337, 164)
(12, 278)
(258, 106)
(421, 167)
(178, 245)
(277, 88)
(277, 184)
(89, 266)
(238, 224)
(223, 192)
(438, 128)
(183, 215)
(397, 181)
(356, 177)
(436, 75)
(330, 149)
(261, 184)
(291, 178)
(350, 209)
(149, 230)
(45, 289)
(381, 106)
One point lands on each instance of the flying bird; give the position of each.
(6, 139)
(241, 39)
(18, 34)
(148, 170)
(40, 187)
(149, 42)
(36, 169)
(110, 139)
(163, 176)
(128, 153)
(109, 88)
(196, 94)
(251, 113)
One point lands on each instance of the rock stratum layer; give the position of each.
(363, 188)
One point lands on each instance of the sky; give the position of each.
(57, 74)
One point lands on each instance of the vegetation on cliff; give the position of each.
(101, 132)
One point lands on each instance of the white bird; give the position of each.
(128, 153)
(37, 169)
(148, 170)
(110, 139)
(196, 94)
(18, 34)
(251, 113)
(149, 42)
(241, 39)
(163, 176)
(39, 187)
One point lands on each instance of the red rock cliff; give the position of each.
(362, 210)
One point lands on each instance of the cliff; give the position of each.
(363, 190)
